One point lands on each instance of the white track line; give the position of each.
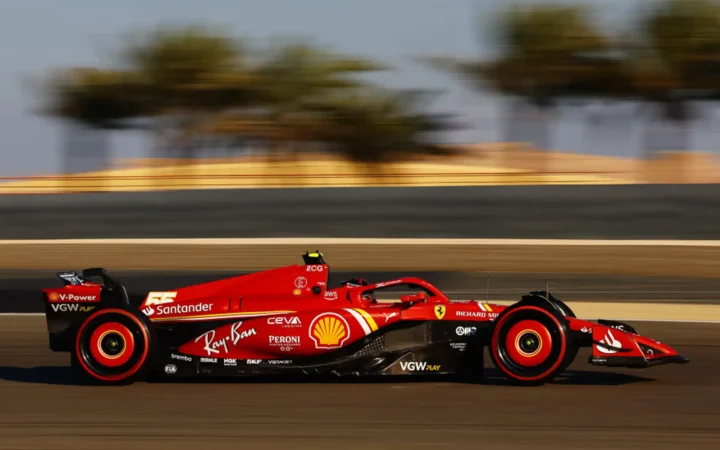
(366, 241)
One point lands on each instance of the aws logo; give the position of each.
(329, 330)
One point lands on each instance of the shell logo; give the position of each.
(329, 330)
(53, 296)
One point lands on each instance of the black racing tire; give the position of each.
(530, 344)
(572, 351)
(570, 356)
(112, 346)
(564, 308)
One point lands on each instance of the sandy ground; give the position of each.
(487, 164)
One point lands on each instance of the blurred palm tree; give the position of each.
(678, 60)
(290, 76)
(373, 126)
(102, 99)
(188, 74)
(91, 102)
(547, 54)
(168, 81)
(184, 84)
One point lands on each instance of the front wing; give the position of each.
(616, 344)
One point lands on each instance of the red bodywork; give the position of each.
(288, 316)
(288, 312)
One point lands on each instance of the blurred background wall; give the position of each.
(588, 119)
(369, 81)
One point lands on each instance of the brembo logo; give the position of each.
(55, 297)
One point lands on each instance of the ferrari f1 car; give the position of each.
(290, 321)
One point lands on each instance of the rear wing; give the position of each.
(67, 306)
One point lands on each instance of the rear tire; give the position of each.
(530, 344)
(112, 346)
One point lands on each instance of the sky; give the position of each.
(39, 35)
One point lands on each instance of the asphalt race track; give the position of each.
(666, 407)
(637, 211)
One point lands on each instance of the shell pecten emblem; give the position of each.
(329, 330)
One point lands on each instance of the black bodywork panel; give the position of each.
(404, 348)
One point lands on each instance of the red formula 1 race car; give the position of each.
(289, 321)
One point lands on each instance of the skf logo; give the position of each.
(158, 298)
(419, 367)
(329, 330)
(440, 312)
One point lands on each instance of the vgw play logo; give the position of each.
(71, 307)
(419, 367)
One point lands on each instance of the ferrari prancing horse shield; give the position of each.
(440, 312)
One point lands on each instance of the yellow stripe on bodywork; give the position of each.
(489, 309)
(221, 315)
(368, 318)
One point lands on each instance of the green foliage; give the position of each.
(203, 81)
(375, 125)
(550, 52)
(680, 50)
(99, 98)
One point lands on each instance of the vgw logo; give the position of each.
(419, 367)
(71, 307)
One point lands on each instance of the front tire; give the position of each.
(112, 346)
(529, 344)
